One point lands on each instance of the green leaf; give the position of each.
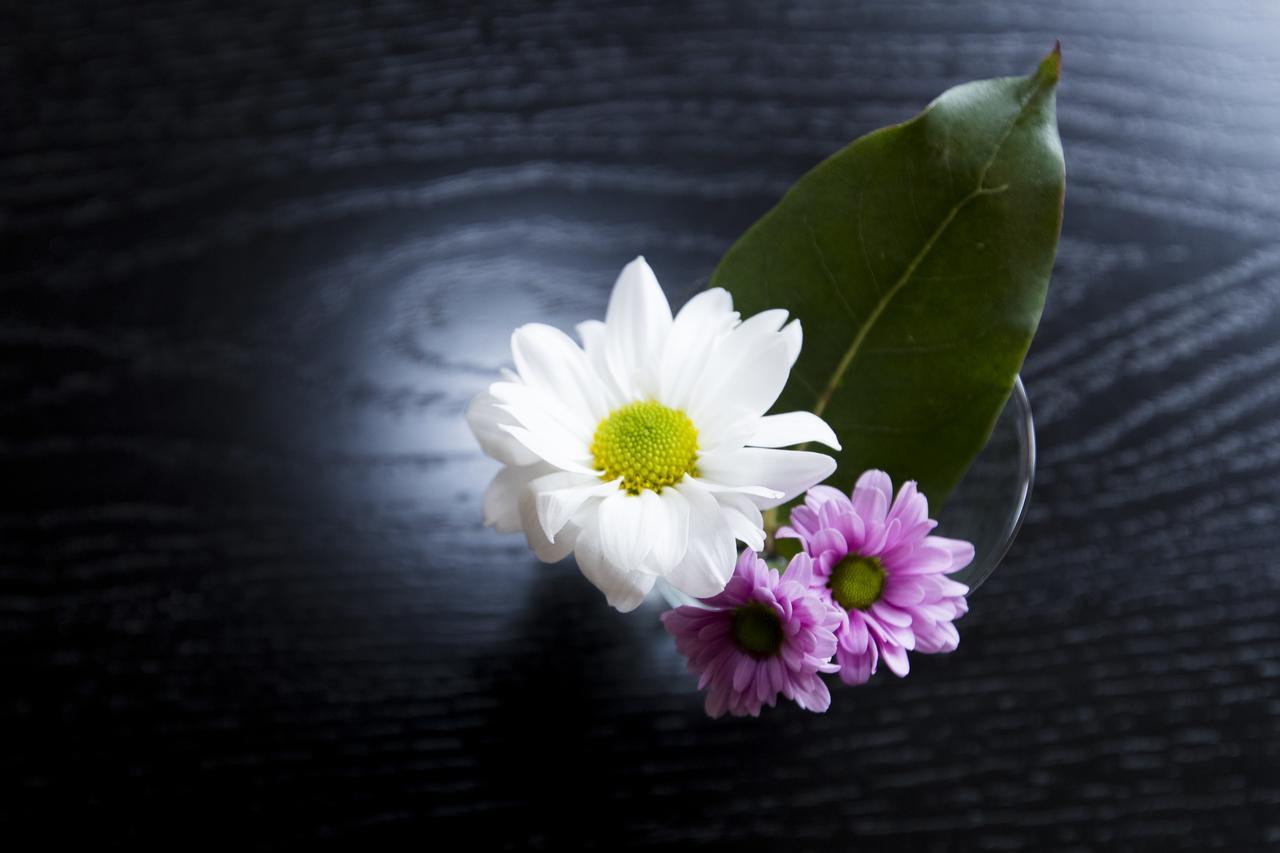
(917, 260)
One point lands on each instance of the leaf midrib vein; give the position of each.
(881, 304)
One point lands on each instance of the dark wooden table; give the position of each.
(257, 259)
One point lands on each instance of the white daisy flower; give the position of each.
(646, 451)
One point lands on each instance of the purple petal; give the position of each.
(891, 615)
(857, 668)
(819, 495)
(800, 570)
(903, 592)
(909, 507)
(742, 672)
(854, 637)
(872, 496)
(827, 540)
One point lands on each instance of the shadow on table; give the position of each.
(596, 726)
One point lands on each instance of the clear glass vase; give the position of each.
(988, 506)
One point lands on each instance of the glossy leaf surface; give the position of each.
(917, 259)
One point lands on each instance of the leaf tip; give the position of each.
(1051, 66)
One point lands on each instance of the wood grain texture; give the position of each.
(258, 257)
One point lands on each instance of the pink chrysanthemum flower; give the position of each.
(874, 559)
(765, 634)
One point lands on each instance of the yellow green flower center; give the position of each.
(757, 630)
(646, 444)
(856, 582)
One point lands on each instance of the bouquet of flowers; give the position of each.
(883, 307)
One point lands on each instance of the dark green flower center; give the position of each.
(757, 630)
(856, 582)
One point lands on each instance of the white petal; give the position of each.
(766, 322)
(539, 413)
(486, 421)
(594, 334)
(729, 429)
(502, 497)
(550, 362)
(697, 328)
(708, 561)
(558, 496)
(786, 471)
(624, 523)
(669, 530)
(546, 550)
(792, 428)
(638, 319)
(747, 386)
(743, 517)
(794, 337)
(759, 492)
(623, 589)
(566, 455)
(749, 335)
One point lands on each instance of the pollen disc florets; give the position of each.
(856, 582)
(646, 444)
(757, 630)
